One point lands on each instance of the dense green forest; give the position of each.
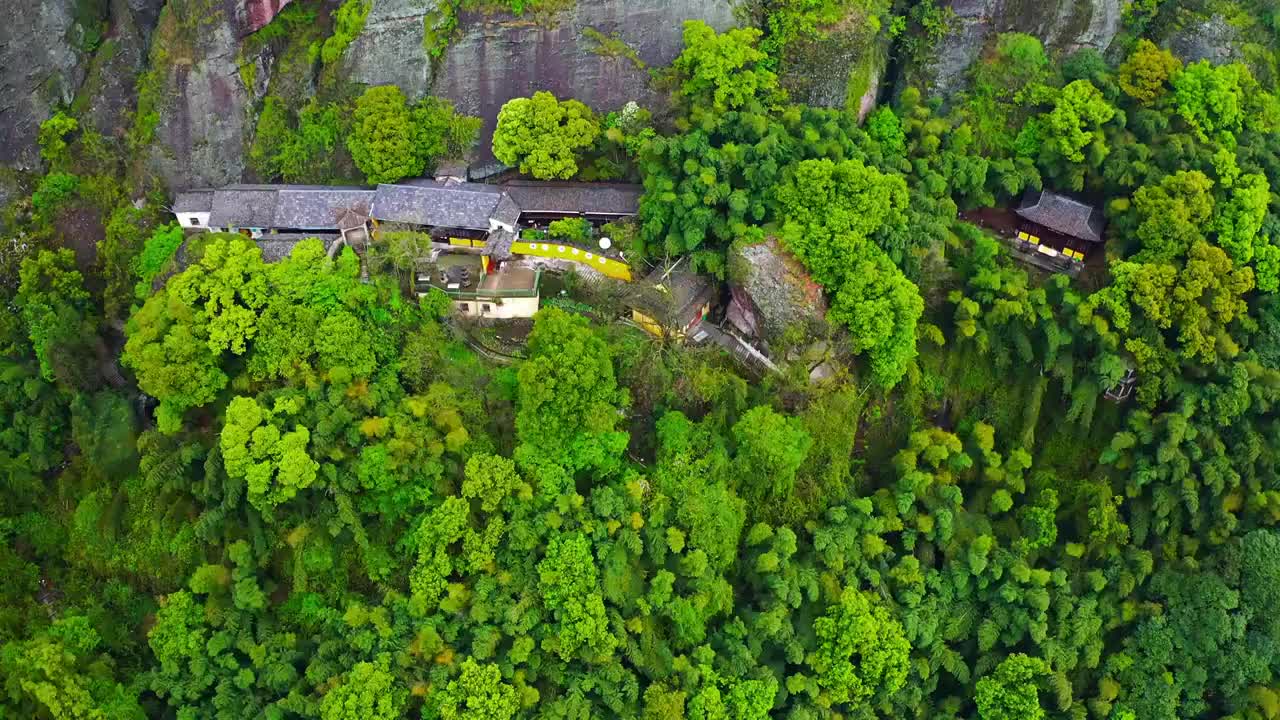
(235, 489)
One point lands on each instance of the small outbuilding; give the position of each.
(672, 302)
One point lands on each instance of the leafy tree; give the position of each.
(1074, 127)
(567, 577)
(57, 312)
(389, 140)
(53, 139)
(569, 402)
(274, 463)
(1011, 690)
(1173, 215)
(723, 72)
(543, 136)
(1210, 98)
(176, 340)
(60, 673)
(829, 209)
(369, 691)
(861, 654)
(156, 253)
(382, 138)
(478, 693)
(770, 450)
(881, 307)
(1145, 75)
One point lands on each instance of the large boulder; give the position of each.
(1062, 25)
(597, 51)
(772, 292)
(42, 63)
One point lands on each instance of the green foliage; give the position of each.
(57, 312)
(369, 691)
(155, 256)
(477, 694)
(1210, 98)
(861, 655)
(569, 401)
(544, 136)
(54, 190)
(53, 139)
(61, 673)
(723, 72)
(339, 510)
(881, 308)
(1146, 74)
(348, 22)
(298, 154)
(178, 336)
(1072, 133)
(770, 450)
(830, 209)
(273, 461)
(577, 230)
(391, 140)
(1010, 692)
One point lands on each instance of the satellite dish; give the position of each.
(605, 243)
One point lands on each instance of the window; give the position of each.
(195, 220)
(485, 307)
(464, 307)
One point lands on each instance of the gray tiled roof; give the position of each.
(1062, 214)
(194, 201)
(498, 246)
(571, 198)
(675, 295)
(506, 211)
(244, 207)
(318, 209)
(452, 207)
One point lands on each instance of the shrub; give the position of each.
(155, 255)
(348, 21)
(54, 189)
(53, 138)
(571, 229)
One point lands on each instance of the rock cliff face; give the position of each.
(206, 111)
(597, 51)
(253, 14)
(1213, 39)
(40, 68)
(842, 69)
(106, 99)
(1063, 25)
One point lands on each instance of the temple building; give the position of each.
(1056, 232)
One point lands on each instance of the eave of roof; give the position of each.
(1062, 214)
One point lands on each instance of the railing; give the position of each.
(1031, 253)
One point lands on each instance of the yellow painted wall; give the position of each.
(610, 267)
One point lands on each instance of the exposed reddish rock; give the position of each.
(260, 12)
(771, 291)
